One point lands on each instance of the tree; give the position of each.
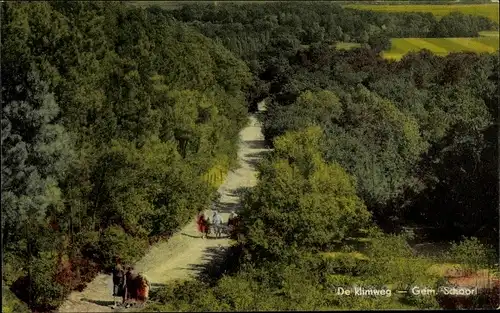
(36, 154)
(301, 203)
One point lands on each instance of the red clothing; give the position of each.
(143, 293)
(202, 225)
(142, 289)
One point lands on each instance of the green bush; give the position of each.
(114, 242)
(285, 213)
(11, 270)
(421, 301)
(184, 296)
(471, 254)
(345, 264)
(39, 288)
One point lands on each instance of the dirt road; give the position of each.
(185, 254)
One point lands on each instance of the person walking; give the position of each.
(217, 222)
(118, 280)
(231, 218)
(202, 224)
(131, 286)
(231, 221)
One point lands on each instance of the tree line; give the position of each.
(248, 31)
(265, 34)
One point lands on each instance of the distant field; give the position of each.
(489, 33)
(441, 46)
(489, 10)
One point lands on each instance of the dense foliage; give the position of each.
(116, 119)
(246, 31)
(311, 206)
(283, 264)
(419, 134)
(304, 205)
(106, 136)
(417, 137)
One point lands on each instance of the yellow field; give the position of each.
(489, 33)
(441, 46)
(489, 10)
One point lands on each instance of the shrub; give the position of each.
(345, 263)
(114, 242)
(301, 203)
(39, 288)
(184, 296)
(471, 254)
(11, 270)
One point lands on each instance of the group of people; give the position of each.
(132, 287)
(216, 222)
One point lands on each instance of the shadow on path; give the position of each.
(260, 154)
(191, 236)
(227, 207)
(213, 263)
(238, 192)
(253, 159)
(255, 144)
(102, 303)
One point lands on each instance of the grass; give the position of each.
(488, 42)
(489, 33)
(441, 46)
(489, 10)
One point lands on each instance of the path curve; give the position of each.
(182, 255)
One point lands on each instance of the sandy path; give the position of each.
(185, 253)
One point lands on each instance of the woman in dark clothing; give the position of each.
(130, 283)
(119, 281)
